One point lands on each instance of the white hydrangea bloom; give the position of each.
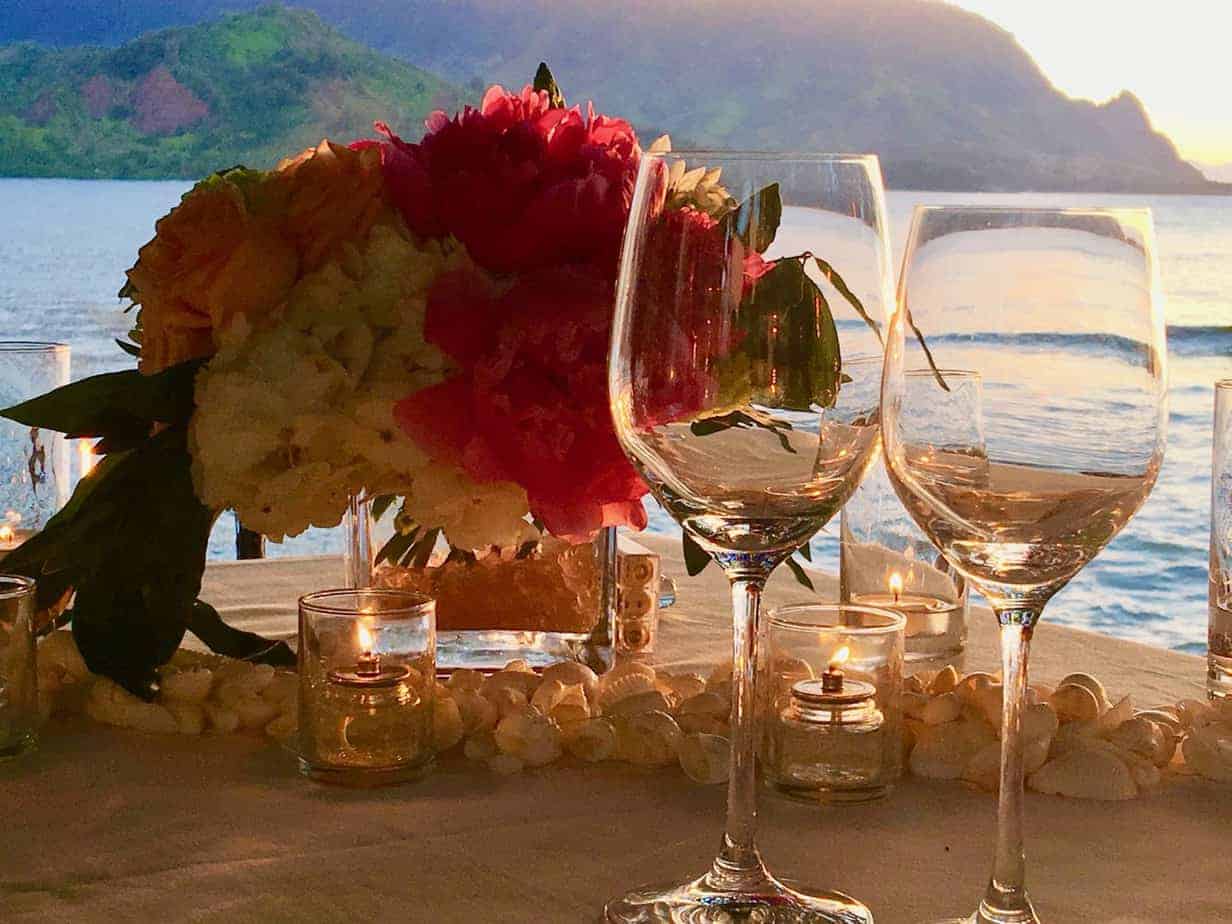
(474, 516)
(293, 420)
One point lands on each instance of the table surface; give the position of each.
(108, 825)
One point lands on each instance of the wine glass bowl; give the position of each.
(1059, 313)
(745, 387)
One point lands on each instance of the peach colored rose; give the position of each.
(324, 197)
(211, 260)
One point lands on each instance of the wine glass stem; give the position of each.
(739, 865)
(1005, 901)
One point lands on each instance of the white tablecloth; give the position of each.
(112, 826)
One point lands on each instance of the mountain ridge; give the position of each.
(948, 99)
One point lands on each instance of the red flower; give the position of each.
(530, 403)
(521, 184)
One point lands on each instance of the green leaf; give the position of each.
(806, 552)
(422, 550)
(928, 354)
(786, 307)
(747, 419)
(120, 406)
(205, 623)
(798, 572)
(130, 348)
(380, 504)
(696, 559)
(756, 220)
(545, 81)
(844, 290)
(397, 546)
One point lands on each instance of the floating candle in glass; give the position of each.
(927, 616)
(833, 722)
(367, 676)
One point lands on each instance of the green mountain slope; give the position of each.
(182, 102)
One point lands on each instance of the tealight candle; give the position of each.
(367, 680)
(833, 737)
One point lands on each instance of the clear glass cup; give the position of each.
(1219, 648)
(34, 463)
(885, 560)
(367, 677)
(18, 678)
(744, 382)
(1060, 313)
(844, 747)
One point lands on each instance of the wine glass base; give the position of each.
(982, 917)
(771, 902)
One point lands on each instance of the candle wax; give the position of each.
(925, 614)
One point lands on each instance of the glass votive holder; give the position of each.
(1219, 638)
(833, 719)
(18, 678)
(34, 463)
(367, 675)
(885, 560)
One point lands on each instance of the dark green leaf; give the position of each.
(932, 363)
(836, 280)
(122, 406)
(128, 290)
(806, 552)
(422, 550)
(748, 419)
(130, 348)
(696, 559)
(756, 220)
(380, 504)
(397, 546)
(545, 81)
(798, 572)
(205, 623)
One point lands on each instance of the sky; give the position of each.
(1175, 56)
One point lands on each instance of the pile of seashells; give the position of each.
(198, 693)
(1077, 742)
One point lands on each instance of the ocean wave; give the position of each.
(1200, 340)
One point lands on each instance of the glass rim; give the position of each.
(14, 586)
(960, 373)
(408, 603)
(780, 617)
(1136, 210)
(32, 346)
(803, 157)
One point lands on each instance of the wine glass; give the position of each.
(745, 384)
(1059, 312)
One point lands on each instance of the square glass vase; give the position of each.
(542, 604)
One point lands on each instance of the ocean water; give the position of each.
(64, 245)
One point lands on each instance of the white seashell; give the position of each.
(1086, 773)
(111, 704)
(283, 727)
(627, 669)
(1041, 691)
(593, 740)
(1075, 703)
(191, 686)
(254, 712)
(519, 664)
(1208, 751)
(913, 684)
(525, 683)
(945, 681)
(477, 711)
(705, 758)
(944, 708)
(926, 678)
(1112, 718)
(942, 751)
(1075, 734)
(529, 736)
(508, 700)
(706, 712)
(970, 685)
(480, 746)
(684, 686)
(1091, 685)
(622, 687)
(466, 679)
(573, 672)
(989, 701)
(650, 701)
(1166, 718)
(1040, 722)
(189, 717)
(547, 696)
(984, 768)
(222, 720)
(648, 738)
(505, 764)
(447, 726)
(568, 715)
(1195, 713)
(1144, 772)
(574, 695)
(914, 705)
(1138, 736)
(720, 680)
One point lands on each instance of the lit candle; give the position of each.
(369, 662)
(925, 614)
(832, 676)
(11, 532)
(896, 586)
(368, 670)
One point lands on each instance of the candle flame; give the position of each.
(364, 636)
(85, 451)
(839, 658)
(6, 533)
(896, 585)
